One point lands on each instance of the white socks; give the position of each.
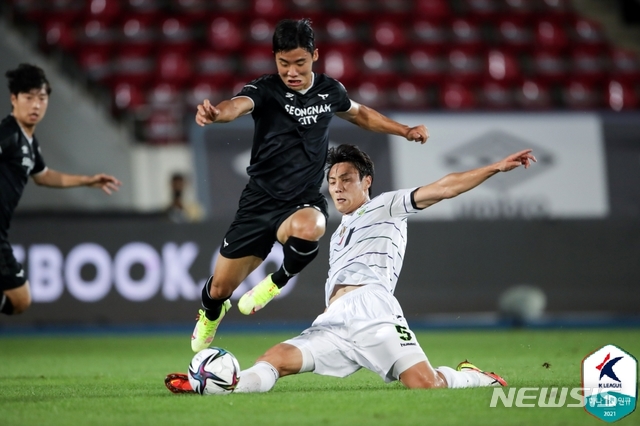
(261, 377)
(464, 379)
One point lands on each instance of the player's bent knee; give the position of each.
(422, 376)
(287, 359)
(20, 305)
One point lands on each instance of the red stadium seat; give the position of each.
(625, 65)
(260, 32)
(341, 65)
(534, 95)
(395, 8)
(466, 33)
(198, 90)
(178, 32)
(522, 8)
(456, 96)
(354, 8)
(589, 66)
(144, 6)
(407, 95)
(588, 33)
(425, 66)
(162, 125)
(225, 34)
(387, 34)
(502, 66)
(549, 66)
(559, 9)
(550, 35)
(256, 62)
(164, 94)
(231, 8)
(621, 95)
(134, 64)
(433, 9)
(96, 63)
(192, 7)
(428, 32)
(97, 33)
(497, 96)
(103, 9)
(577, 94)
(370, 93)
(269, 9)
(513, 33)
(64, 10)
(465, 66)
(127, 95)
(58, 34)
(378, 66)
(482, 8)
(174, 66)
(139, 30)
(215, 66)
(341, 33)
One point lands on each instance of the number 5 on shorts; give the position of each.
(404, 333)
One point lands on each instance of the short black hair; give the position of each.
(346, 153)
(291, 34)
(25, 78)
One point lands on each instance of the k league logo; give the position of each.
(610, 382)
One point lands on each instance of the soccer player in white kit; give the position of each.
(363, 324)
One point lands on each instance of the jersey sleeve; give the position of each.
(254, 90)
(400, 203)
(39, 164)
(344, 103)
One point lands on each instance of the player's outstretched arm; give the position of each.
(55, 179)
(370, 119)
(455, 184)
(224, 112)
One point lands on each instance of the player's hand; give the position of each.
(207, 113)
(418, 134)
(107, 183)
(522, 158)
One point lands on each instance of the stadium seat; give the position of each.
(162, 125)
(192, 7)
(625, 65)
(341, 33)
(433, 9)
(260, 32)
(135, 64)
(178, 32)
(481, 8)
(256, 62)
(224, 34)
(456, 96)
(164, 94)
(466, 33)
(197, 90)
(513, 33)
(97, 32)
(502, 66)
(588, 65)
(354, 8)
(105, 10)
(465, 66)
(58, 33)
(621, 95)
(64, 10)
(387, 34)
(424, 65)
(587, 33)
(231, 8)
(522, 8)
(550, 35)
(558, 9)
(174, 66)
(549, 66)
(407, 95)
(138, 30)
(379, 66)
(96, 64)
(496, 96)
(341, 65)
(370, 93)
(428, 32)
(581, 95)
(127, 95)
(533, 95)
(269, 9)
(215, 66)
(395, 8)
(144, 6)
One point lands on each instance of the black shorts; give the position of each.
(11, 273)
(255, 226)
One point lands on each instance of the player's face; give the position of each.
(347, 190)
(30, 107)
(294, 67)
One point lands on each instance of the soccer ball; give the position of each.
(214, 371)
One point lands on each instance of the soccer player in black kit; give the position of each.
(282, 201)
(20, 157)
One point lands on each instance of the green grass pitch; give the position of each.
(118, 380)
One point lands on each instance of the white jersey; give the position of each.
(368, 247)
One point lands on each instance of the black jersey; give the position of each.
(18, 160)
(291, 135)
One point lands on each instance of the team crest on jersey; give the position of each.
(361, 211)
(289, 96)
(323, 96)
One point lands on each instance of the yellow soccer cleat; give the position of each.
(258, 297)
(492, 379)
(205, 329)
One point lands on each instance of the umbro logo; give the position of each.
(289, 95)
(323, 96)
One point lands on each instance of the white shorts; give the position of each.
(364, 328)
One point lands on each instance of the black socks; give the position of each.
(6, 307)
(298, 253)
(212, 307)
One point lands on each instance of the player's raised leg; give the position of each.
(299, 235)
(227, 276)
